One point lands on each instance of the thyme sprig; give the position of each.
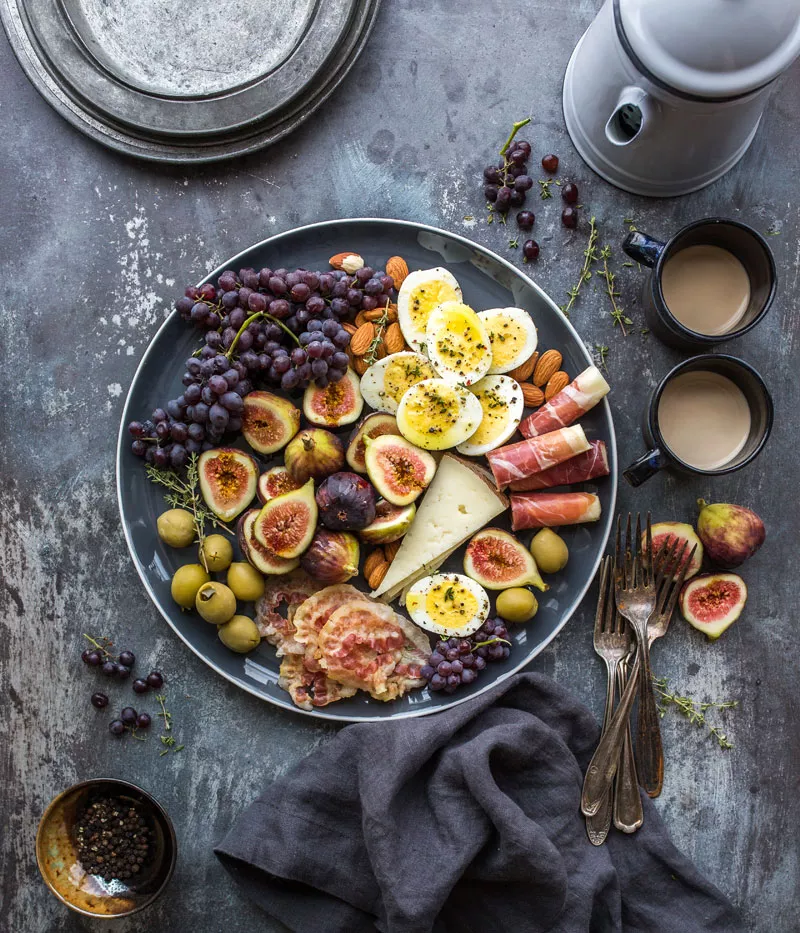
(618, 315)
(544, 188)
(589, 257)
(693, 711)
(371, 356)
(601, 352)
(168, 741)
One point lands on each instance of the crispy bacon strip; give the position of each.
(588, 465)
(548, 509)
(583, 393)
(519, 461)
(290, 590)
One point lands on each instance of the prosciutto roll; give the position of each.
(518, 461)
(583, 393)
(588, 465)
(549, 509)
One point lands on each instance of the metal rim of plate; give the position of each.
(72, 72)
(312, 230)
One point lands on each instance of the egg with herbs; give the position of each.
(435, 415)
(420, 293)
(457, 343)
(502, 405)
(448, 604)
(512, 336)
(386, 382)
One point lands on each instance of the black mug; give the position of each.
(745, 243)
(758, 400)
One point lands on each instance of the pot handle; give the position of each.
(644, 467)
(643, 248)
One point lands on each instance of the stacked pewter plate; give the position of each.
(187, 82)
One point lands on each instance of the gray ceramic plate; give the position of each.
(487, 282)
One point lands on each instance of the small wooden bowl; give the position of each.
(56, 853)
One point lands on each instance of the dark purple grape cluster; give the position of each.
(508, 182)
(457, 661)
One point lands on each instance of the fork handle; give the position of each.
(628, 813)
(603, 765)
(598, 825)
(649, 750)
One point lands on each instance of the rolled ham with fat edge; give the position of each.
(551, 509)
(573, 401)
(518, 461)
(588, 465)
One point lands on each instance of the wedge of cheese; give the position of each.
(461, 499)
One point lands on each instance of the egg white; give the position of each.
(502, 405)
(421, 292)
(435, 415)
(436, 588)
(385, 382)
(458, 359)
(512, 335)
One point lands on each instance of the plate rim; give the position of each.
(321, 714)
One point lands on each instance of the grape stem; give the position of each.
(258, 316)
(514, 130)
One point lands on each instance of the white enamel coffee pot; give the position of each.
(662, 97)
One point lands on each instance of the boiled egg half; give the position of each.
(420, 293)
(457, 343)
(448, 604)
(435, 415)
(385, 382)
(512, 335)
(502, 404)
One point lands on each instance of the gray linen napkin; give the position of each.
(462, 822)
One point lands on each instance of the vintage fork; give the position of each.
(612, 642)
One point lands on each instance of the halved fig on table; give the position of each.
(398, 469)
(390, 524)
(228, 480)
(665, 533)
(497, 560)
(275, 482)
(337, 404)
(255, 553)
(313, 454)
(269, 421)
(374, 425)
(713, 601)
(286, 524)
(332, 556)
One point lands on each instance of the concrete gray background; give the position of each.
(95, 247)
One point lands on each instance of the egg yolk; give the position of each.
(495, 416)
(450, 605)
(507, 339)
(460, 343)
(433, 409)
(400, 374)
(425, 297)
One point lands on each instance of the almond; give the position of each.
(548, 365)
(524, 371)
(376, 577)
(362, 338)
(393, 338)
(337, 260)
(391, 317)
(380, 350)
(532, 395)
(360, 318)
(555, 384)
(391, 549)
(374, 559)
(351, 262)
(350, 328)
(375, 315)
(360, 365)
(397, 268)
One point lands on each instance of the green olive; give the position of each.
(549, 551)
(245, 581)
(186, 582)
(217, 551)
(176, 527)
(215, 602)
(240, 634)
(517, 604)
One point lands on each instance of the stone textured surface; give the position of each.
(94, 249)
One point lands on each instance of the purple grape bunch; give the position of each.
(272, 328)
(456, 661)
(508, 181)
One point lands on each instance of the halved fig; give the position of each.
(390, 524)
(286, 524)
(313, 454)
(269, 421)
(337, 404)
(497, 560)
(664, 533)
(255, 553)
(398, 469)
(332, 556)
(373, 425)
(275, 482)
(713, 601)
(228, 480)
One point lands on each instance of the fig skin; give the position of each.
(313, 454)
(498, 561)
(228, 479)
(682, 532)
(346, 502)
(269, 421)
(285, 525)
(339, 403)
(712, 602)
(390, 524)
(373, 425)
(730, 533)
(332, 556)
(397, 469)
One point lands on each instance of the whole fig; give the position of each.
(313, 454)
(332, 557)
(730, 533)
(346, 502)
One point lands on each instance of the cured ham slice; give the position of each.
(312, 614)
(519, 461)
(588, 465)
(290, 590)
(309, 689)
(583, 393)
(549, 509)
